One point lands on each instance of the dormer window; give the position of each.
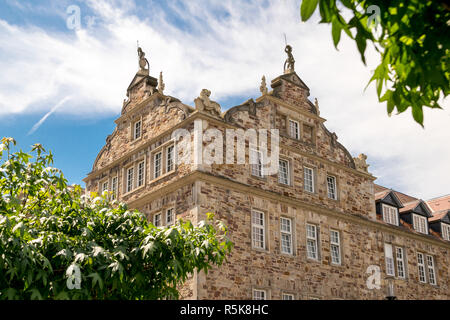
(445, 231)
(390, 214)
(137, 130)
(420, 224)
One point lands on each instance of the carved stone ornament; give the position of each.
(263, 87)
(161, 84)
(143, 62)
(360, 163)
(316, 103)
(203, 103)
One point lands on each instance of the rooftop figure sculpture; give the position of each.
(290, 61)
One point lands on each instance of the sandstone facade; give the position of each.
(129, 164)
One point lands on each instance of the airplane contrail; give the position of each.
(40, 122)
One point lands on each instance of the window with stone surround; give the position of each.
(104, 186)
(401, 263)
(308, 174)
(170, 158)
(287, 296)
(389, 259)
(421, 267)
(431, 271)
(312, 250)
(258, 230)
(294, 129)
(256, 163)
(130, 179)
(335, 247)
(259, 294)
(157, 220)
(331, 187)
(114, 181)
(170, 216)
(157, 164)
(283, 172)
(163, 160)
(420, 224)
(141, 174)
(445, 231)
(286, 235)
(137, 127)
(390, 214)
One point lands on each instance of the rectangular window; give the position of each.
(170, 217)
(431, 273)
(420, 224)
(114, 187)
(157, 220)
(421, 267)
(294, 129)
(259, 294)
(311, 242)
(258, 230)
(137, 130)
(287, 296)
(141, 174)
(388, 255)
(157, 165)
(130, 177)
(256, 163)
(283, 172)
(170, 162)
(335, 247)
(286, 235)
(445, 231)
(390, 214)
(309, 179)
(400, 257)
(331, 186)
(104, 186)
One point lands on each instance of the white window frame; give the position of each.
(257, 169)
(335, 244)
(114, 185)
(421, 267)
(445, 228)
(140, 174)
(258, 229)
(157, 218)
(170, 166)
(390, 214)
(294, 134)
(103, 186)
(312, 241)
(129, 181)
(332, 188)
(431, 270)
(420, 223)
(286, 231)
(306, 172)
(170, 213)
(287, 296)
(284, 176)
(157, 173)
(137, 134)
(259, 294)
(401, 263)
(389, 259)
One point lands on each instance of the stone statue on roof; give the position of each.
(203, 103)
(290, 61)
(143, 62)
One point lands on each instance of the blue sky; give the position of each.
(73, 81)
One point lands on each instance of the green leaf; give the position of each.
(307, 8)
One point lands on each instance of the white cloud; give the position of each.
(226, 53)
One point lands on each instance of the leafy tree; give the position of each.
(49, 232)
(412, 38)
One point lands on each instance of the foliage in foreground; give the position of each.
(412, 38)
(49, 232)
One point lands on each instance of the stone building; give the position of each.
(319, 228)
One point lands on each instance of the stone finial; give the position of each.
(290, 62)
(203, 103)
(316, 103)
(361, 164)
(143, 62)
(161, 84)
(263, 87)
